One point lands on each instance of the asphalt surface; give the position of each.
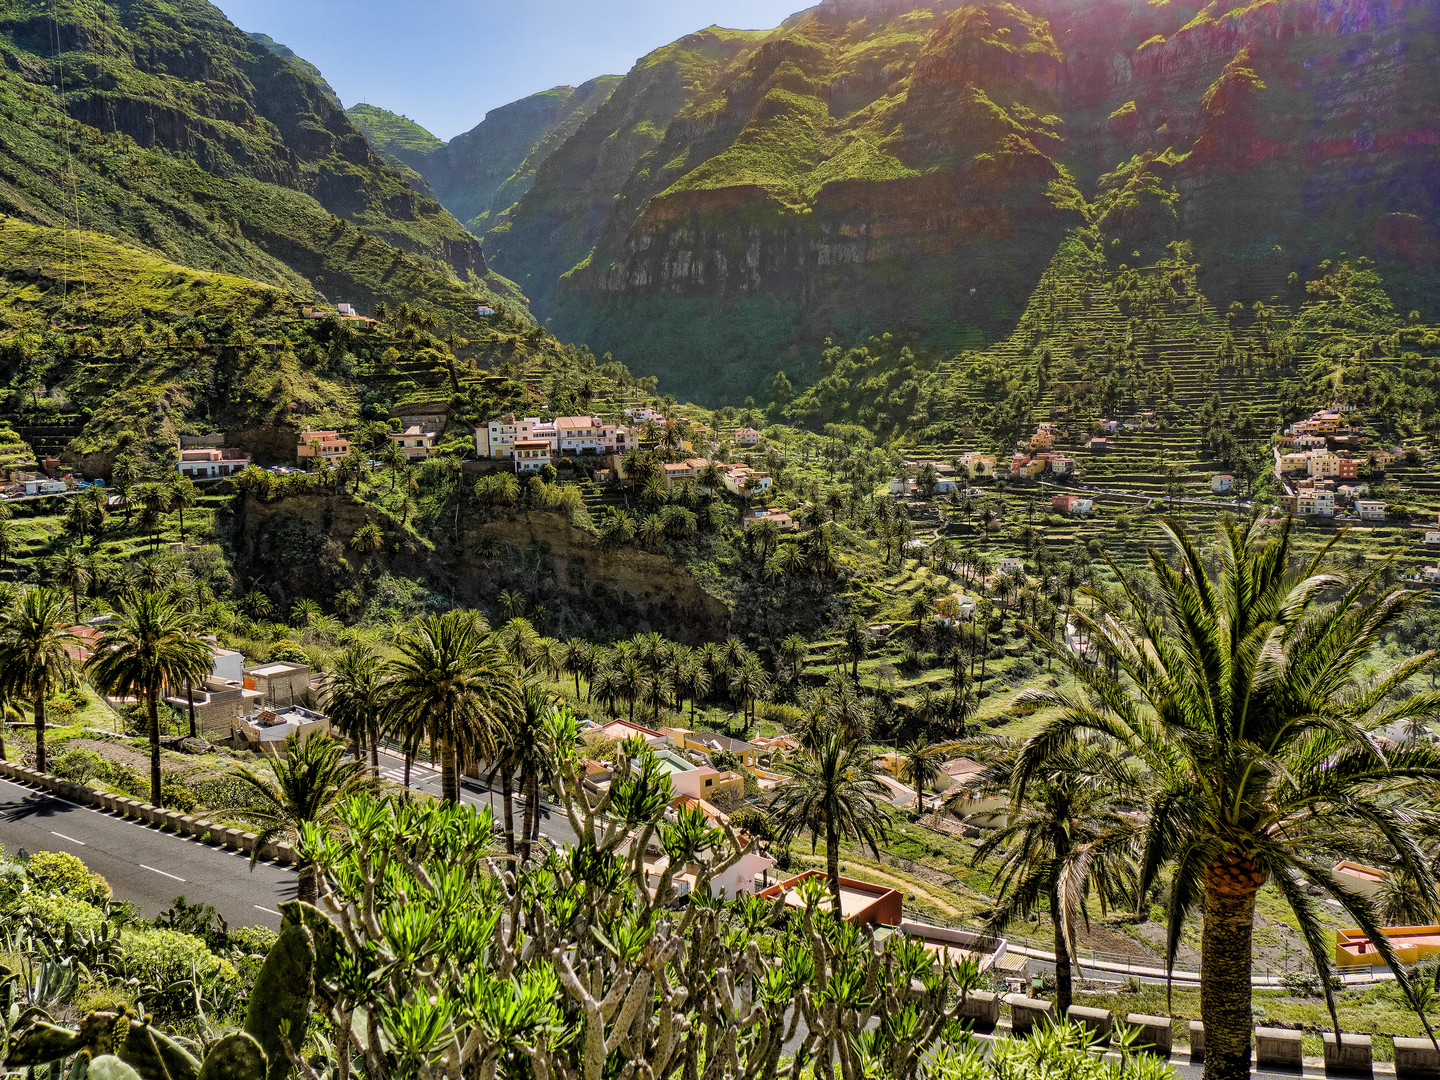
(141, 863)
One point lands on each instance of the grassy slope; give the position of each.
(252, 172)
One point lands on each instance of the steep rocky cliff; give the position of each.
(882, 165)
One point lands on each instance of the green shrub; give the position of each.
(60, 709)
(174, 795)
(784, 715)
(59, 872)
(13, 881)
(253, 940)
(124, 778)
(57, 912)
(80, 765)
(223, 793)
(160, 957)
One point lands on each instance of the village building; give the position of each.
(781, 520)
(332, 445)
(743, 480)
(747, 436)
(1061, 465)
(1072, 504)
(976, 465)
(639, 414)
(953, 607)
(415, 441)
(591, 435)
(1012, 565)
(497, 438)
(860, 902)
(1222, 483)
(1315, 504)
(210, 463)
(267, 729)
(1370, 509)
(531, 455)
(1325, 464)
(1294, 463)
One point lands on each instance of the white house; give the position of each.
(639, 414)
(945, 486)
(531, 455)
(1370, 509)
(416, 442)
(497, 438)
(1432, 537)
(589, 435)
(1222, 483)
(747, 436)
(1315, 504)
(210, 463)
(1012, 566)
(743, 480)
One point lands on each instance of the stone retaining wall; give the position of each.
(180, 824)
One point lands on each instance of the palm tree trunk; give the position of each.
(40, 728)
(152, 707)
(190, 701)
(374, 741)
(449, 773)
(832, 865)
(1064, 989)
(1225, 961)
(409, 760)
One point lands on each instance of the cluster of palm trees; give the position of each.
(648, 675)
(151, 643)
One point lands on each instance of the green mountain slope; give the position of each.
(875, 165)
(163, 125)
(307, 69)
(481, 173)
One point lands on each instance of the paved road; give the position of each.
(141, 863)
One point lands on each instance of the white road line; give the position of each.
(272, 911)
(70, 838)
(163, 873)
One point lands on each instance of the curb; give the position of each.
(207, 832)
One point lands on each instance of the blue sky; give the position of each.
(444, 63)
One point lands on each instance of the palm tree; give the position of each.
(1071, 836)
(577, 658)
(306, 786)
(453, 679)
(921, 767)
(153, 644)
(832, 791)
(354, 695)
(34, 638)
(72, 570)
(181, 497)
(856, 644)
(792, 653)
(1240, 699)
(523, 753)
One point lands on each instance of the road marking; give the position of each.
(70, 838)
(272, 911)
(162, 873)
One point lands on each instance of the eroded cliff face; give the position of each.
(880, 165)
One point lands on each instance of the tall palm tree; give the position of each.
(577, 658)
(154, 643)
(522, 754)
(72, 570)
(832, 791)
(1071, 836)
(34, 637)
(1241, 699)
(453, 679)
(354, 695)
(181, 497)
(305, 786)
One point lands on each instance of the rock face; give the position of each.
(880, 165)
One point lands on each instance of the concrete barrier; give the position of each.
(1279, 1047)
(1197, 1041)
(1097, 1021)
(982, 1009)
(234, 839)
(1349, 1055)
(1027, 1012)
(1416, 1059)
(1157, 1033)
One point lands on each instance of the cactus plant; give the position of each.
(282, 994)
(235, 1057)
(107, 1067)
(156, 1056)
